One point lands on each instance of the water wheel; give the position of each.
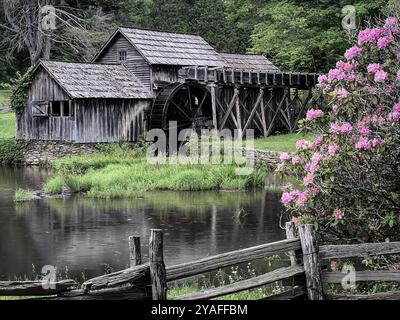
(189, 104)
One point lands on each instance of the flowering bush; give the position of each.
(350, 173)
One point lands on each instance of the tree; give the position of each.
(306, 35)
(37, 26)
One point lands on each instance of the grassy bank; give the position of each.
(5, 97)
(280, 143)
(7, 125)
(9, 152)
(126, 173)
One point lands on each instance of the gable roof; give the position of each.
(87, 80)
(248, 62)
(169, 48)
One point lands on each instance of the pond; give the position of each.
(87, 236)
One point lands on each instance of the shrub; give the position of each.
(9, 152)
(351, 171)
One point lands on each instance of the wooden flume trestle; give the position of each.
(236, 99)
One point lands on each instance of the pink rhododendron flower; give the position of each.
(321, 79)
(338, 214)
(313, 114)
(301, 200)
(384, 41)
(345, 66)
(296, 160)
(318, 140)
(391, 22)
(340, 93)
(352, 53)
(364, 131)
(398, 75)
(337, 128)
(380, 76)
(333, 149)
(302, 144)
(284, 156)
(393, 116)
(313, 191)
(286, 198)
(396, 107)
(308, 179)
(363, 144)
(334, 108)
(369, 35)
(374, 67)
(376, 142)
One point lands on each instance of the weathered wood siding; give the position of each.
(134, 61)
(44, 88)
(164, 73)
(109, 120)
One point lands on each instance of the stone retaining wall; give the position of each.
(39, 152)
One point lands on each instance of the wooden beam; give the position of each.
(363, 250)
(260, 96)
(35, 288)
(227, 259)
(362, 276)
(276, 275)
(229, 110)
(139, 275)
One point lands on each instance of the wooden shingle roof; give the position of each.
(248, 62)
(87, 80)
(168, 48)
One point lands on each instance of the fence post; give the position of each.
(135, 255)
(291, 234)
(312, 266)
(157, 266)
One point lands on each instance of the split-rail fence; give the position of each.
(304, 277)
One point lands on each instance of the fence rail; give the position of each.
(304, 277)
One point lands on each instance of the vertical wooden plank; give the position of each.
(291, 234)
(238, 113)
(135, 255)
(263, 119)
(312, 265)
(214, 107)
(157, 266)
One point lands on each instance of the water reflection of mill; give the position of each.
(85, 234)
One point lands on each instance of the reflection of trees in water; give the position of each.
(85, 233)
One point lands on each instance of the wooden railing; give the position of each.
(303, 278)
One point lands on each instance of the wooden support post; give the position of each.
(135, 255)
(263, 119)
(312, 266)
(157, 267)
(214, 107)
(238, 113)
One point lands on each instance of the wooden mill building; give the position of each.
(143, 79)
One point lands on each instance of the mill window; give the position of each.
(122, 56)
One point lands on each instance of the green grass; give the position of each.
(7, 125)
(280, 143)
(126, 173)
(23, 195)
(4, 97)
